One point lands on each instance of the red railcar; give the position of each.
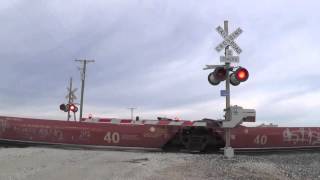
(151, 134)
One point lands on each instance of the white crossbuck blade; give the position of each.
(72, 96)
(228, 40)
(73, 91)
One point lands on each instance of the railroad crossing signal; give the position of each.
(70, 97)
(220, 74)
(68, 107)
(232, 75)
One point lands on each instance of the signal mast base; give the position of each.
(228, 152)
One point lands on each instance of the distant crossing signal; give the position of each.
(68, 107)
(73, 108)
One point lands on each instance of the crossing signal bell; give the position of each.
(68, 107)
(220, 74)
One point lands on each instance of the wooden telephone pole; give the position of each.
(83, 77)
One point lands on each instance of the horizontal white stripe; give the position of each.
(151, 122)
(199, 124)
(92, 120)
(137, 122)
(115, 121)
(275, 148)
(176, 123)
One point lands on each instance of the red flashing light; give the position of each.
(73, 108)
(242, 74)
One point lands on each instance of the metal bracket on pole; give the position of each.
(212, 66)
(237, 115)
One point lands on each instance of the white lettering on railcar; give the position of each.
(43, 132)
(58, 134)
(112, 137)
(3, 126)
(152, 129)
(261, 139)
(84, 134)
(307, 136)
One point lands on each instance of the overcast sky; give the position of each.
(150, 55)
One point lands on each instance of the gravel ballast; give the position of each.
(47, 163)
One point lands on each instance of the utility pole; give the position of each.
(83, 77)
(132, 109)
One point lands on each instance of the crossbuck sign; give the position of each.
(71, 94)
(228, 40)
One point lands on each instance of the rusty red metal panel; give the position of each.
(84, 133)
(275, 137)
(148, 133)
